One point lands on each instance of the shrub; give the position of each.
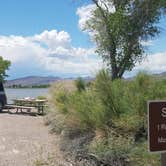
(140, 91)
(103, 88)
(113, 149)
(140, 156)
(80, 84)
(87, 108)
(60, 95)
(118, 108)
(143, 88)
(41, 97)
(112, 96)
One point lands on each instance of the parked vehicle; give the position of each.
(3, 99)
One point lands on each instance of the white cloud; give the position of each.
(147, 43)
(154, 63)
(85, 13)
(53, 39)
(50, 51)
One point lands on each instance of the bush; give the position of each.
(107, 103)
(118, 108)
(80, 84)
(60, 96)
(41, 97)
(112, 96)
(88, 109)
(140, 156)
(113, 149)
(103, 88)
(143, 88)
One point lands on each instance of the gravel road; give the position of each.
(25, 141)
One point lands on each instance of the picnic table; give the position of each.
(37, 103)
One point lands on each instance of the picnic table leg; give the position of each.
(42, 110)
(38, 109)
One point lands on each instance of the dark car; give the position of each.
(3, 99)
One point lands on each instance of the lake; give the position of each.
(21, 93)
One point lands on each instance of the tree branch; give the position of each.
(112, 47)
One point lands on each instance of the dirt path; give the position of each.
(25, 141)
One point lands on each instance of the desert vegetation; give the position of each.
(112, 115)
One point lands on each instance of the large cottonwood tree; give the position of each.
(120, 26)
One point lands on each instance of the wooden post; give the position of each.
(163, 159)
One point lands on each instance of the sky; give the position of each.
(46, 38)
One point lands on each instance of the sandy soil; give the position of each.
(25, 141)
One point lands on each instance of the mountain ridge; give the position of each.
(47, 80)
(32, 80)
(37, 80)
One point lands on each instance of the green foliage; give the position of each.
(80, 84)
(119, 31)
(142, 90)
(113, 146)
(109, 103)
(121, 148)
(62, 101)
(140, 156)
(118, 108)
(112, 95)
(88, 109)
(103, 87)
(129, 122)
(41, 97)
(4, 65)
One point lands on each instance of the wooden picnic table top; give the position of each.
(30, 100)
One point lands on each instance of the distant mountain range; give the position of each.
(35, 81)
(38, 80)
(163, 74)
(158, 75)
(31, 81)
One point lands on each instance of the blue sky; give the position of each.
(45, 37)
(25, 18)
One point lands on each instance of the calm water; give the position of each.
(21, 93)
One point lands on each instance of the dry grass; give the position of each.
(66, 84)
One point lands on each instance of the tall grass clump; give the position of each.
(111, 95)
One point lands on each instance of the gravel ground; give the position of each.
(25, 141)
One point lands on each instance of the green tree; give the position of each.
(80, 84)
(4, 65)
(119, 26)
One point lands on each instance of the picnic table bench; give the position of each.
(18, 107)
